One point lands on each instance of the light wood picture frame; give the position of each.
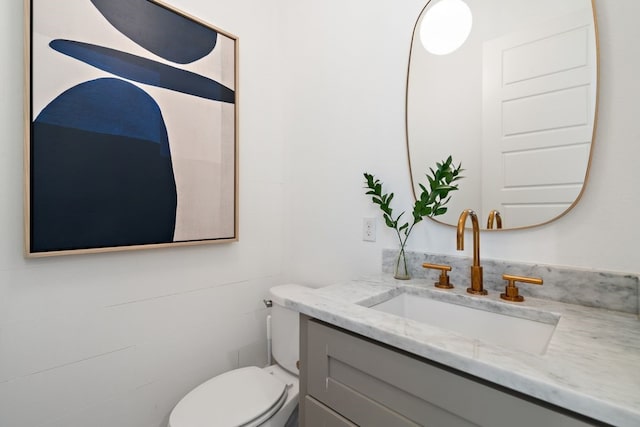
(131, 128)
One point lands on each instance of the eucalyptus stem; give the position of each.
(431, 201)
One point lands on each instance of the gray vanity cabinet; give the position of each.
(349, 380)
(318, 415)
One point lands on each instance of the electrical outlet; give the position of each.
(369, 229)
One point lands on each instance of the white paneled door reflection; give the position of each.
(539, 96)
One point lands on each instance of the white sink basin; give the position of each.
(525, 330)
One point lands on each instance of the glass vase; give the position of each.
(401, 272)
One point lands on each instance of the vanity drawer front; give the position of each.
(347, 374)
(318, 415)
(374, 385)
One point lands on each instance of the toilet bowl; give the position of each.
(250, 396)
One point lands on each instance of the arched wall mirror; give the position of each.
(516, 103)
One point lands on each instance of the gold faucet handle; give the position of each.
(443, 281)
(511, 290)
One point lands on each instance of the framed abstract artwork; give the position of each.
(131, 122)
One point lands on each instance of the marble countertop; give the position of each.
(591, 365)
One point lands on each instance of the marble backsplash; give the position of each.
(608, 290)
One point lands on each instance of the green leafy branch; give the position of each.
(430, 203)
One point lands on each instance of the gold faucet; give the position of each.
(476, 270)
(494, 215)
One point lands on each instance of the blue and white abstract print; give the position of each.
(133, 127)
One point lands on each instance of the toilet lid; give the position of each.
(233, 399)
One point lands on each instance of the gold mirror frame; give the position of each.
(596, 81)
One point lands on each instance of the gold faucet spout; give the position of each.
(476, 270)
(494, 216)
(476, 234)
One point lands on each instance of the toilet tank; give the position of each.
(285, 338)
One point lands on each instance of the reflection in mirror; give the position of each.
(445, 26)
(515, 103)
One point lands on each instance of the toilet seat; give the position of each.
(243, 397)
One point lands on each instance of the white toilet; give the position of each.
(250, 396)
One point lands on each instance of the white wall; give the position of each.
(346, 111)
(116, 339)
